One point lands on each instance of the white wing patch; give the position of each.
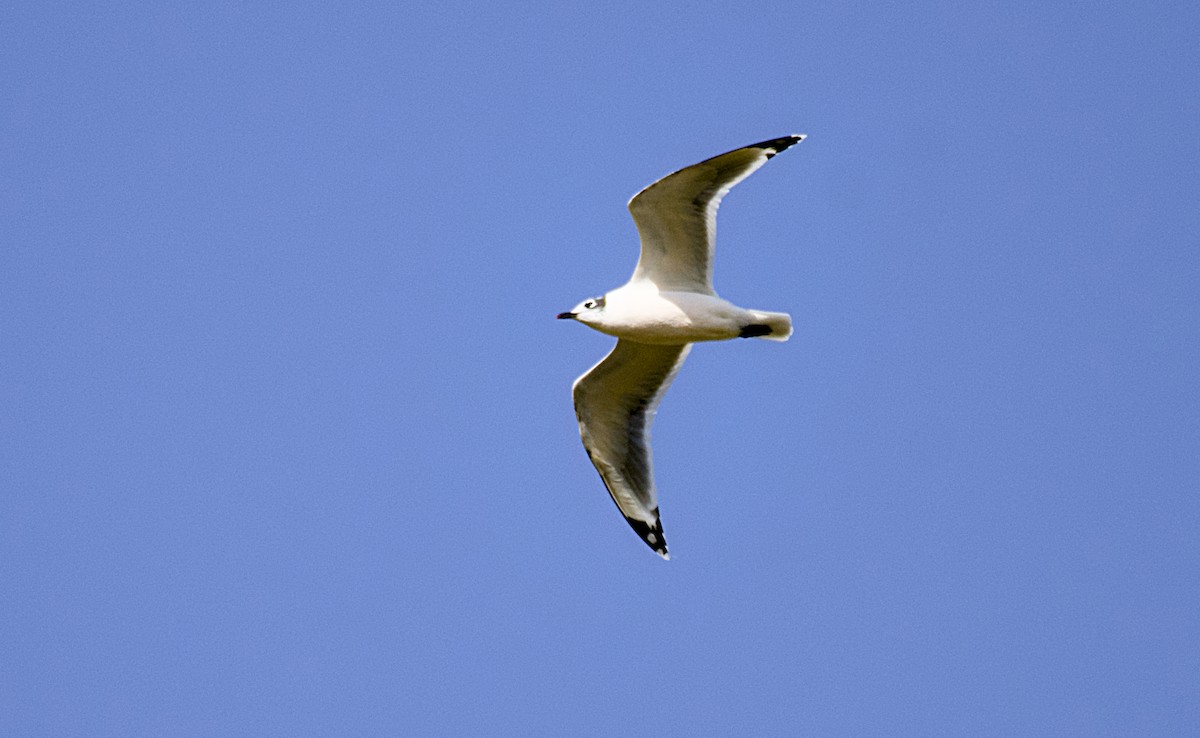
(615, 402)
(676, 216)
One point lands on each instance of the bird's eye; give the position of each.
(590, 304)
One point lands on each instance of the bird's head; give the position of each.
(587, 312)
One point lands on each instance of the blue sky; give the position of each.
(285, 425)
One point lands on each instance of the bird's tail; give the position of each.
(771, 326)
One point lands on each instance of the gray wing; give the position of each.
(615, 402)
(677, 216)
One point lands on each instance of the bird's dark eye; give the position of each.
(590, 304)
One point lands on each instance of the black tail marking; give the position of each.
(754, 330)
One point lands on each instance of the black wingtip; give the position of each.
(652, 535)
(775, 145)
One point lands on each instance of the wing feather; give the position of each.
(615, 402)
(676, 216)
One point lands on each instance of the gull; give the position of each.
(667, 305)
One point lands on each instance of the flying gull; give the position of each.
(667, 305)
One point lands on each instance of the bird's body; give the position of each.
(640, 312)
(666, 306)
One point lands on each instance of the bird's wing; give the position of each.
(677, 216)
(615, 402)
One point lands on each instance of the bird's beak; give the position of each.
(565, 316)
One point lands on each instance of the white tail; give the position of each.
(771, 326)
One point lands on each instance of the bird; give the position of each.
(667, 305)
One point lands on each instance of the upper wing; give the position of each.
(615, 403)
(677, 216)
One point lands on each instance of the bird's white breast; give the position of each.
(640, 312)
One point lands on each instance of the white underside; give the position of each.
(640, 312)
